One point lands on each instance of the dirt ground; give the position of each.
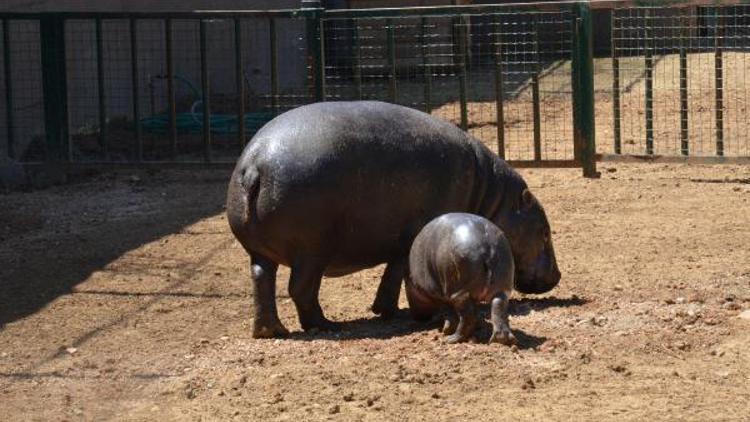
(125, 297)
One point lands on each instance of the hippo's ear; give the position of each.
(527, 199)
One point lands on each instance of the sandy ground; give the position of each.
(125, 297)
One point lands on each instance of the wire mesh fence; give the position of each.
(504, 76)
(193, 87)
(679, 84)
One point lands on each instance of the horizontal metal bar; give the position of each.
(375, 12)
(640, 4)
(115, 165)
(505, 7)
(676, 159)
(544, 163)
(473, 9)
(198, 14)
(613, 158)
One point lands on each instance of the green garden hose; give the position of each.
(192, 121)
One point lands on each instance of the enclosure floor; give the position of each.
(127, 298)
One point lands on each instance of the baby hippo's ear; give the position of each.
(527, 199)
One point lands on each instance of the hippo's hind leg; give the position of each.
(467, 318)
(386, 299)
(421, 307)
(304, 288)
(450, 324)
(266, 324)
(499, 313)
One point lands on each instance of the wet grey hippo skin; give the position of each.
(459, 260)
(333, 188)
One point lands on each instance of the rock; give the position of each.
(598, 321)
(681, 345)
(680, 300)
(620, 369)
(71, 350)
(528, 384)
(334, 409)
(717, 352)
(731, 306)
(744, 315)
(349, 397)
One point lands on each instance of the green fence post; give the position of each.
(649, 85)
(357, 59)
(54, 87)
(535, 97)
(205, 91)
(239, 75)
(615, 87)
(135, 80)
(684, 110)
(583, 90)
(274, 46)
(8, 79)
(391, 53)
(426, 69)
(719, 80)
(499, 112)
(313, 11)
(101, 89)
(460, 26)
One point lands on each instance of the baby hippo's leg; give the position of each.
(421, 307)
(467, 318)
(450, 324)
(500, 329)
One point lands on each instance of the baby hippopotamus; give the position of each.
(460, 260)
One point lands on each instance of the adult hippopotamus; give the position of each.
(333, 188)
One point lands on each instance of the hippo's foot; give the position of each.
(385, 310)
(457, 337)
(320, 323)
(269, 330)
(450, 325)
(505, 337)
(386, 298)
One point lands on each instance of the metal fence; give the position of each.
(679, 81)
(193, 87)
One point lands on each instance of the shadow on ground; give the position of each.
(44, 263)
(402, 324)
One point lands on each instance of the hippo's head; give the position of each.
(530, 238)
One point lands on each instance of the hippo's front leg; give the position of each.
(266, 324)
(386, 299)
(499, 314)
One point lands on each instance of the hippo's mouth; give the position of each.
(533, 284)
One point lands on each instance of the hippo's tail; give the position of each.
(242, 196)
